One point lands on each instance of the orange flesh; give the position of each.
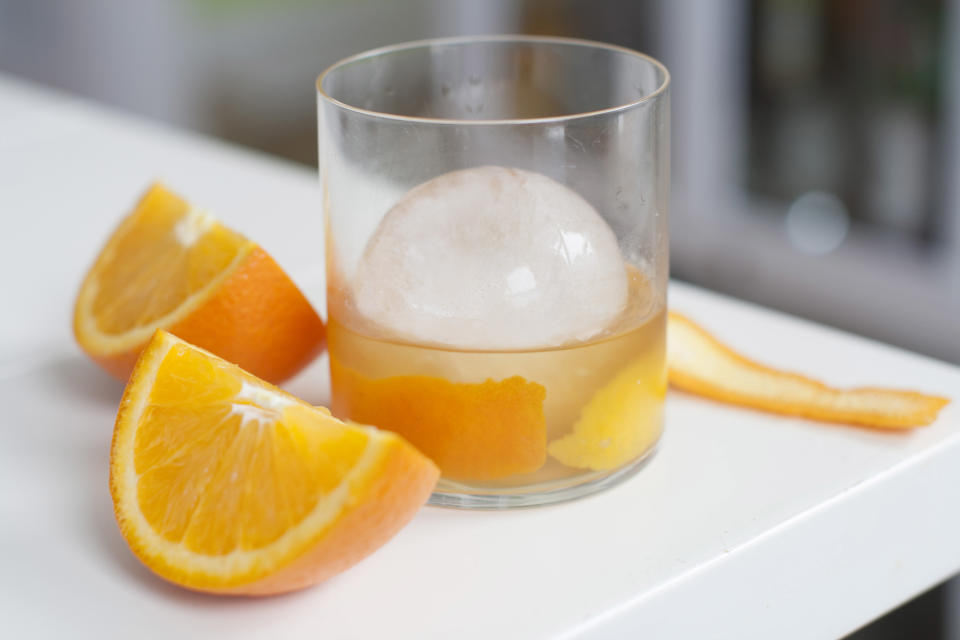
(154, 268)
(215, 481)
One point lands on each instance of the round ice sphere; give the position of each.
(491, 258)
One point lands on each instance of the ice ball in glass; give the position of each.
(491, 258)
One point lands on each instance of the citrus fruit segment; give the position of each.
(224, 483)
(701, 364)
(473, 431)
(172, 266)
(620, 422)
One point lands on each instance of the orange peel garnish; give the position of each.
(472, 431)
(618, 424)
(701, 364)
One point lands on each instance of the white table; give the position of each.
(744, 525)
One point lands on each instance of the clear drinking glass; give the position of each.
(497, 260)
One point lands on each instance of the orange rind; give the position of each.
(619, 423)
(473, 431)
(701, 364)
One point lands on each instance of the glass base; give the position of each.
(456, 496)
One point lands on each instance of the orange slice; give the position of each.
(473, 431)
(172, 266)
(701, 364)
(224, 483)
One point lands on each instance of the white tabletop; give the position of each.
(744, 525)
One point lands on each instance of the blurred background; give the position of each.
(816, 143)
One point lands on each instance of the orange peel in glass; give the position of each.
(473, 431)
(620, 422)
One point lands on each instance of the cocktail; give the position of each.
(497, 258)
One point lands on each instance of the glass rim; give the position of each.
(460, 40)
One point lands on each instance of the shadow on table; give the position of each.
(102, 536)
(923, 618)
(81, 379)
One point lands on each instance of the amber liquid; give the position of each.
(611, 388)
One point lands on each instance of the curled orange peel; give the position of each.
(699, 363)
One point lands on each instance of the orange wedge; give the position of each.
(473, 431)
(172, 266)
(226, 484)
(701, 364)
